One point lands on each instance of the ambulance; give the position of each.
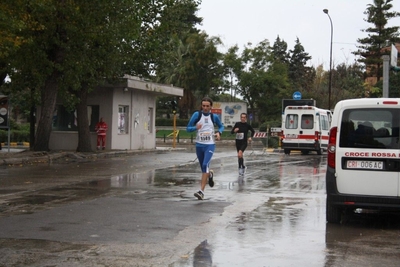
(363, 161)
(305, 128)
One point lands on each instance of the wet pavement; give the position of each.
(139, 210)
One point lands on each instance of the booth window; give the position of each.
(123, 119)
(65, 120)
(150, 120)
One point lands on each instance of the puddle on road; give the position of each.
(28, 202)
(158, 178)
(8, 191)
(291, 176)
(36, 199)
(136, 183)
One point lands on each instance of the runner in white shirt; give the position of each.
(202, 122)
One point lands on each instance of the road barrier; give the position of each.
(260, 136)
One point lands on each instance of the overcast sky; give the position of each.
(240, 22)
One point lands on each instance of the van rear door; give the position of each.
(299, 126)
(324, 127)
(367, 155)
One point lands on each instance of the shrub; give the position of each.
(18, 133)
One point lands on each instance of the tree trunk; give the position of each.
(32, 122)
(186, 103)
(84, 144)
(48, 103)
(32, 119)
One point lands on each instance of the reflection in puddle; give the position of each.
(159, 178)
(132, 179)
(202, 255)
(302, 177)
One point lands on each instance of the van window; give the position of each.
(307, 121)
(324, 122)
(292, 121)
(370, 128)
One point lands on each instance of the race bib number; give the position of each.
(239, 136)
(206, 136)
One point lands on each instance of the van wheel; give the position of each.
(287, 151)
(304, 152)
(319, 151)
(333, 213)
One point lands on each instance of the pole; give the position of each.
(330, 62)
(385, 84)
(231, 87)
(174, 133)
(8, 123)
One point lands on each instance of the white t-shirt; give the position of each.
(205, 135)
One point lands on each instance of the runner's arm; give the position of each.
(233, 128)
(191, 127)
(252, 131)
(219, 124)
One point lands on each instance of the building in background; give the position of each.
(128, 108)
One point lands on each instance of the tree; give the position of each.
(188, 58)
(279, 51)
(70, 47)
(232, 65)
(163, 22)
(67, 45)
(261, 81)
(252, 74)
(194, 66)
(394, 86)
(348, 82)
(379, 36)
(300, 75)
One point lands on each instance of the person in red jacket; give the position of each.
(101, 129)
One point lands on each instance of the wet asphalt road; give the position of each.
(140, 211)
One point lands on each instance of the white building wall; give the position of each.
(141, 134)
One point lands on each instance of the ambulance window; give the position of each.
(307, 121)
(292, 120)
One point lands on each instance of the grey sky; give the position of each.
(240, 22)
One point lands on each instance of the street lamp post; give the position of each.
(330, 62)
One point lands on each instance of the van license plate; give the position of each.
(291, 136)
(364, 164)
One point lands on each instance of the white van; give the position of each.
(305, 128)
(363, 169)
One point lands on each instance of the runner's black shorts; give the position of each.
(241, 145)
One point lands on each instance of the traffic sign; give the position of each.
(297, 95)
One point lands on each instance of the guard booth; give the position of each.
(128, 108)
